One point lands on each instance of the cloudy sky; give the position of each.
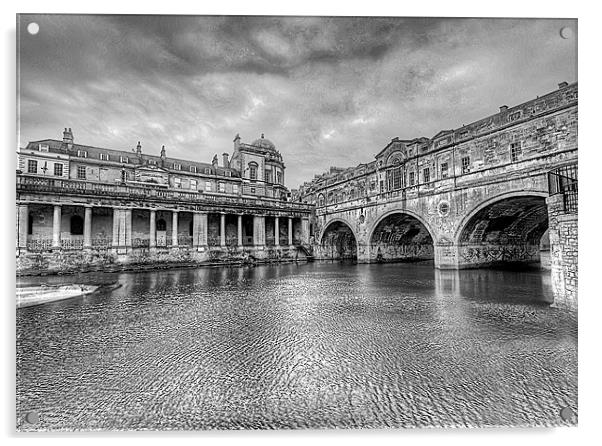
(326, 91)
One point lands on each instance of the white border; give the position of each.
(590, 148)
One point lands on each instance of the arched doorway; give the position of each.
(400, 237)
(507, 231)
(338, 242)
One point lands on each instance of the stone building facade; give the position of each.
(475, 196)
(80, 205)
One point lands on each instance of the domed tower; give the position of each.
(261, 166)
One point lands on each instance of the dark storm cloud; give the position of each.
(327, 91)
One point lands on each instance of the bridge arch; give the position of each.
(401, 235)
(337, 240)
(503, 229)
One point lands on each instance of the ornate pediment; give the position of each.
(151, 174)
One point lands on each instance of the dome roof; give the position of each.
(264, 143)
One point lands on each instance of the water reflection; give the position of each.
(299, 345)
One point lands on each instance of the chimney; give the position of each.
(562, 85)
(68, 138)
(225, 158)
(503, 108)
(214, 161)
(163, 154)
(138, 149)
(236, 142)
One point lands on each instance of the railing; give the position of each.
(33, 183)
(564, 181)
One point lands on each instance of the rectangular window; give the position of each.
(465, 164)
(177, 182)
(82, 154)
(382, 186)
(43, 147)
(124, 159)
(208, 186)
(444, 170)
(426, 174)
(81, 172)
(228, 173)
(222, 187)
(207, 171)
(397, 178)
(193, 184)
(268, 176)
(253, 172)
(235, 188)
(104, 156)
(252, 190)
(32, 166)
(58, 169)
(515, 151)
(177, 166)
(411, 179)
(193, 169)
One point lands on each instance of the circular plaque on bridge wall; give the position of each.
(443, 208)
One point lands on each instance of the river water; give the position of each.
(319, 345)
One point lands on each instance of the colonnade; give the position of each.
(122, 228)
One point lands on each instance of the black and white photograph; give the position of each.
(295, 222)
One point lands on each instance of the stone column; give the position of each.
(290, 231)
(88, 227)
(128, 228)
(116, 215)
(258, 230)
(174, 229)
(199, 230)
(240, 231)
(152, 238)
(22, 225)
(56, 227)
(305, 231)
(222, 230)
(276, 231)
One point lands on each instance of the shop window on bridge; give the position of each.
(465, 164)
(32, 166)
(426, 173)
(444, 170)
(515, 151)
(161, 225)
(77, 225)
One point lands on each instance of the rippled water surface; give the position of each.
(298, 346)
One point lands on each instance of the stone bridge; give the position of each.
(488, 195)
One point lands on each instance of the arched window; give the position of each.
(253, 171)
(77, 225)
(161, 225)
(321, 200)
